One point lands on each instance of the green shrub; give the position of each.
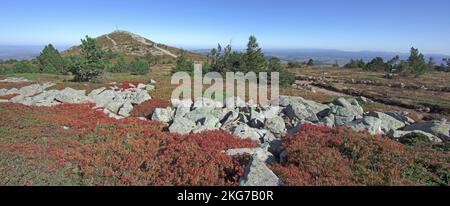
(50, 61)
(139, 67)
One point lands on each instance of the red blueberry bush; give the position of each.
(9, 96)
(127, 85)
(75, 145)
(324, 156)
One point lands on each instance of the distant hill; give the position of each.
(134, 45)
(328, 57)
(22, 52)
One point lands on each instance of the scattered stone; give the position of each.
(277, 126)
(388, 123)
(258, 174)
(15, 80)
(69, 95)
(437, 128)
(370, 124)
(401, 116)
(245, 132)
(163, 115)
(182, 126)
(397, 134)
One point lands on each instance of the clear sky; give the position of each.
(381, 25)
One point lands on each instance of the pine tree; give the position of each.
(310, 62)
(50, 61)
(416, 63)
(90, 65)
(336, 64)
(254, 57)
(431, 63)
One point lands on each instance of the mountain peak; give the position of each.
(131, 44)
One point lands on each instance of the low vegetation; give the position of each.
(323, 156)
(75, 145)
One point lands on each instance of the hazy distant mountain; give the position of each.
(22, 52)
(330, 56)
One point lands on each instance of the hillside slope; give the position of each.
(132, 44)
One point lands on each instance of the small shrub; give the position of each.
(139, 67)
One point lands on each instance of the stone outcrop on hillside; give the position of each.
(117, 103)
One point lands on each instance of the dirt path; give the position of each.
(112, 40)
(143, 41)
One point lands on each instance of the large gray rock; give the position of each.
(397, 134)
(200, 113)
(370, 124)
(126, 109)
(140, 96)
(300, 111)
(69, 95)
(340, 115)
(34, 89)
(182, 126)
(243, 131)
(277, 126)
(401, 116)
(437, 128)
(258, 174)
(314, 106)
(351, 105)
(163, 115)
(388, 122)
(103, 98)
(46, 98)
(96, 92)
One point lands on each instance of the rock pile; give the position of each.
(267, 125)
(117, 103)
(14, 80)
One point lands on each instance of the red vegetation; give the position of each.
(147, 108)
(7, 97)
(323, 156)
(75, 145)
(129, 85)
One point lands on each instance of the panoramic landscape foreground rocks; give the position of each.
(265, 125)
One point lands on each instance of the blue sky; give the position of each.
(381, 25)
